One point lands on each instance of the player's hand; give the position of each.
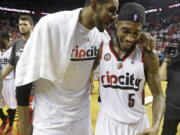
(149, 131)
(1, 99)
(147, 41)
(25, 128)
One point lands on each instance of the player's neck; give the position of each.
(85, 18)
(25, 37)
(119, 51)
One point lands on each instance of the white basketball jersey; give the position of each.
(68, 101)
(4, 57)
(121, 84)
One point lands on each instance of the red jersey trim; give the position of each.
(142, 57)
(101, 49)
(128, 54)
(117, 58)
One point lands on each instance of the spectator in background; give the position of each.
(25, 28)
(170, 72)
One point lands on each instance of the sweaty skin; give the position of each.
(151, 64)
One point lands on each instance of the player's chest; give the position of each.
(84, 51)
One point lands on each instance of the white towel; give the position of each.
(47, 52)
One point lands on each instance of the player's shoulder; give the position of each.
(9, 49)
(17, 41)
(103, 36)
(151, 59)
(60, 16)
(105, 45)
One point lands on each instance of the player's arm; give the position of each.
(1, 84)
(99, 55)
(7, 70)
(23, 94)
(96, 62)
(11, 63)
(163, 69)
(151, 64)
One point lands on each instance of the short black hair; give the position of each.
(87, 2)
(4, 34)
(26, 18)
(132, 11)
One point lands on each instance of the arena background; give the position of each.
(163, 23)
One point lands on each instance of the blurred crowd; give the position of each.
(163, 26)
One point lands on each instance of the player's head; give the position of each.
(131, 18)
(4, 39)
(25, 24)
(104, 12)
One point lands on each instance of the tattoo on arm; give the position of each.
(151, 64)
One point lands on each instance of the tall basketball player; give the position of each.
(124, 68)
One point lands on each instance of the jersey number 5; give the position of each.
(131, 100)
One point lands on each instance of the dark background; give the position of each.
(58, 5)
(163, 25)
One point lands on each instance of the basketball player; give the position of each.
(3, 117)
(2, 46)
(124, 68)
(59, 56)
(8, 84)
(25, 29)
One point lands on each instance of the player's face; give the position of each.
(3, 43)
(128, 33)
(105, 14)
(24, 27)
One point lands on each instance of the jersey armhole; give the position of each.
(142, 57)
(101, 49)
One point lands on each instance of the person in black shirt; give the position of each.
(170, 72)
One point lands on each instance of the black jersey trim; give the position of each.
(120, 87)
(75, 59)
(129, 52)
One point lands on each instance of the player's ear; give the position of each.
(116, 23)
(93, 4)
(32, 27)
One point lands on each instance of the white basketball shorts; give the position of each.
(80, 127)
(9, 94)
(108, 126)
